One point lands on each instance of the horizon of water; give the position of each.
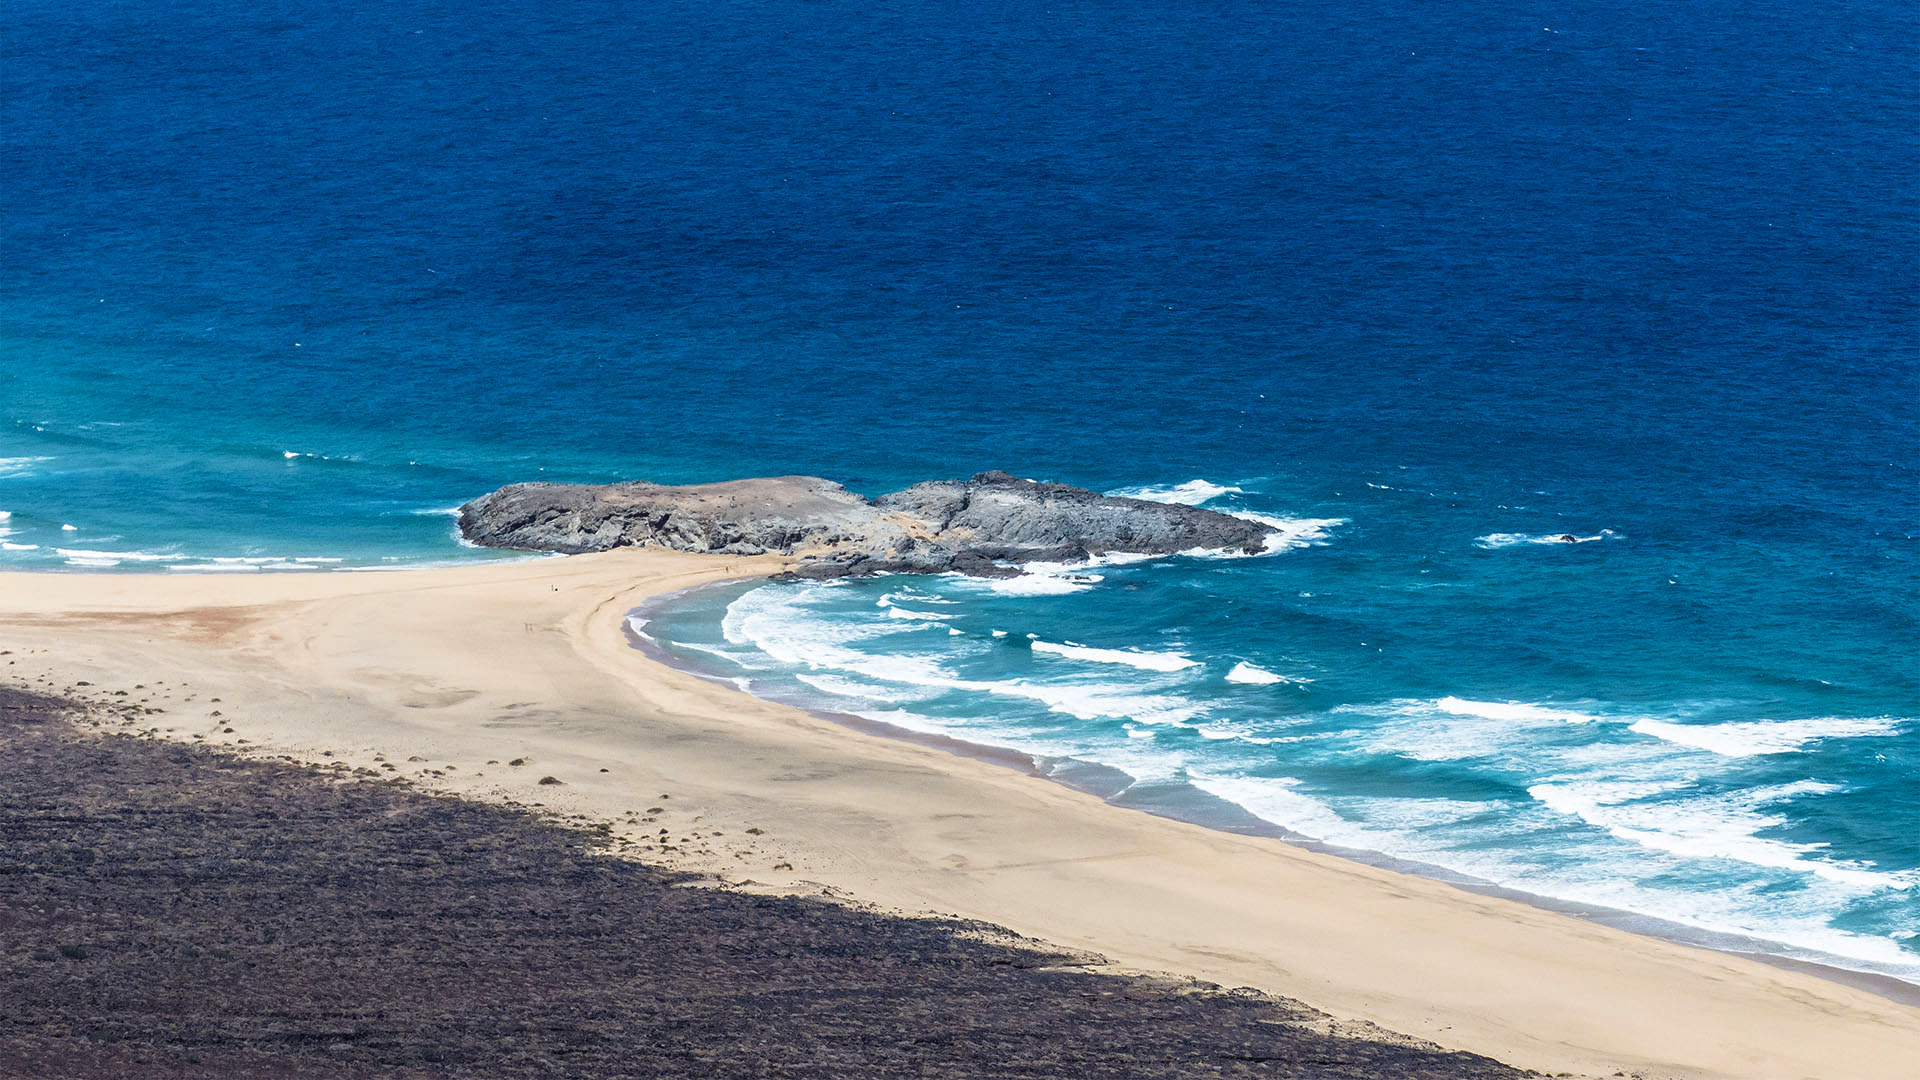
(284, 286)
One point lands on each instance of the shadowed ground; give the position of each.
(172, 911)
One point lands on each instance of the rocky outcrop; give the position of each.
(985, 526)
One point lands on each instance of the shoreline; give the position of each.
(1894, 989)
(465, 668)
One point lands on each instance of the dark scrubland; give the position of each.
(173, 911)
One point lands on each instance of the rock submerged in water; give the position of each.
(984, 526)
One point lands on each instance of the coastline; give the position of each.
(1249, 824)
(470, 666)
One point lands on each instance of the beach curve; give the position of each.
(471, 666)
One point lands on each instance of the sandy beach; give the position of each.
(487, 680)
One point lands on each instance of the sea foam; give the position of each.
(1724, 827)
(1448, 834)
(1754, 737)
(1040, 579)
(1494, 541)
(912, 616)
(1244, 672)
(1390, 826)
(19, 466)
(779, 622)
(1511, 710)
(1459, 729)
(1191, 493)
(1292, 532)
(1146, 661)
(1289, 534)
(103, 559)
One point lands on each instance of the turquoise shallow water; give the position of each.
(284, 286)
(1433, 711)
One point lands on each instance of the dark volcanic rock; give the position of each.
(979, 526)
(782, 514)
(997, 510)
(168, 911)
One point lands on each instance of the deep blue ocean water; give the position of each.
(285, 282)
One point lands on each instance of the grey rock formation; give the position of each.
(985, 526)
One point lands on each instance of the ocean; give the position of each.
(1435, 286)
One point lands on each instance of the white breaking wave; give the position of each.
(1444, 833)
(1043, 585)
(239, 565)
(1278, 800)
(1710, 826)
(252, 563)
(1734, 739)
(1244, 732)
(1612, 820)
(921, 616)
(1040, 579)
(1254, 675)
(19, 466)
(1493, 541)
(1060, 579)
(85, 557)
(1292, 532)
(1112, 558)
(1753, 737)
(900, 718)
(101, 559)
(778, 623)
(911, 596)
(1510, 710)
(738, 659)
(1093, 702)
(1191, 493)
(892, 694)
(1057, 579)
(1145, 661)
(1533, 735)
(1391, 829)
(1244, 672)
(1289, 534)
